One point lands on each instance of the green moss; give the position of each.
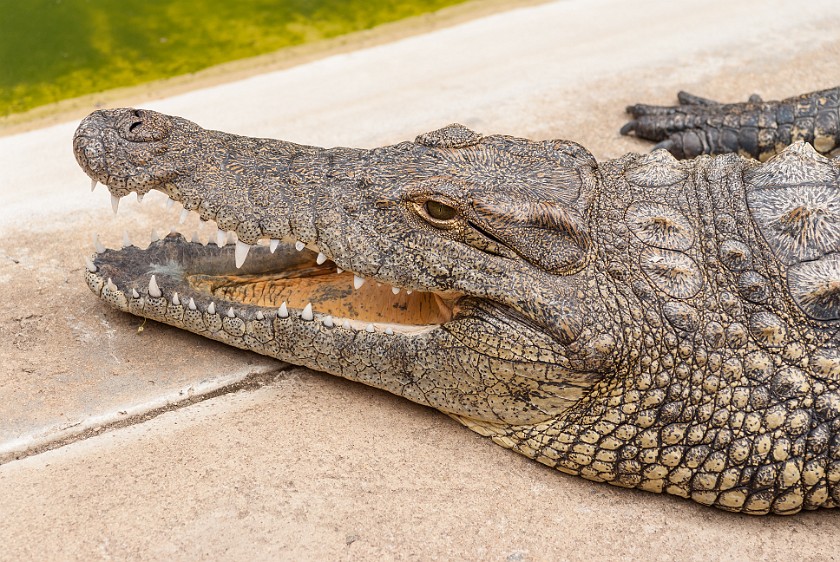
(56, 49)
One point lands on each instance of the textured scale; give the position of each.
(755, 128)
(651, 323)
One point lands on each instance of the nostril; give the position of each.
(133, 126)
(137, 113)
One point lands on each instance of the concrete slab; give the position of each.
(313, 468)
(404, 476)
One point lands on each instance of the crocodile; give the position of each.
(653, 323)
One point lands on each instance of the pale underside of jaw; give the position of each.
(321, 292)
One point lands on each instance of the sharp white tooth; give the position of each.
(346, 325)
(220, 238)
(339, 271)
(299, 245)
(89, 265)
(369, 328)
(307, 312)
(154, 290)
(395, 290)
(191, 304)
(231, 313)
(283, 311)
(93, 183)
(328, 321)
(154, 237)
(408, 291)
(140, 197)
(115, 203)
(260, 315)
(358, 281)
(110, 285)
(389, 331)
(195, 239)
(169, 203)
(184, 214)
(212, 308)
(175, 300)
(241, 253)
(126, 239)
(272, 246)
(135, 294)
(173, 229)
(97, 245)
(321, 258)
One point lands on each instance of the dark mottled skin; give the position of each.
(665, 325)
(756, 128)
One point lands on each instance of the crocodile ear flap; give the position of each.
(546, 234)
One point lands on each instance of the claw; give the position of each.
(630, 126)
(667, 144)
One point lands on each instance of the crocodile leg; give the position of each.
(754, 128)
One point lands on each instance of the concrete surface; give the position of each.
(181, 447)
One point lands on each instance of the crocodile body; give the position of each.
(647, 322)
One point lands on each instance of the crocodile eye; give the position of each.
(439, 211)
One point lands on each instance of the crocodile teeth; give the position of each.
(191, 304)
(321, 258)
(140, 197)
(220, 237)
(212, 308)
(346, 325)
(195, 238)
(358, 281)
(307, 312)
(184, 214)
(299, 245)
(93, 184)
(115, 203)
(231, 313)
(283, 311)
(408, 291)
(126, 239)
(328, 321)
(389, 331)
(154, 237)
(154, 290)
(241, 253)
(339, 271)
(175, 300)
(89, 265)
(369, 328)
(97, 245)
(272, 246)
(135, 294)
(110, 286)
(260, 315)
(395, 290)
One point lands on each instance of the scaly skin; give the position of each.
(671, 326)
(756, 128)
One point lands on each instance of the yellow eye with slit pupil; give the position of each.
(439, 211)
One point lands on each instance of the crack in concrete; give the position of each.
(57, 437)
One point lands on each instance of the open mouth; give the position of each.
(278, 280)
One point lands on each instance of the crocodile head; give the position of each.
(456, 270)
